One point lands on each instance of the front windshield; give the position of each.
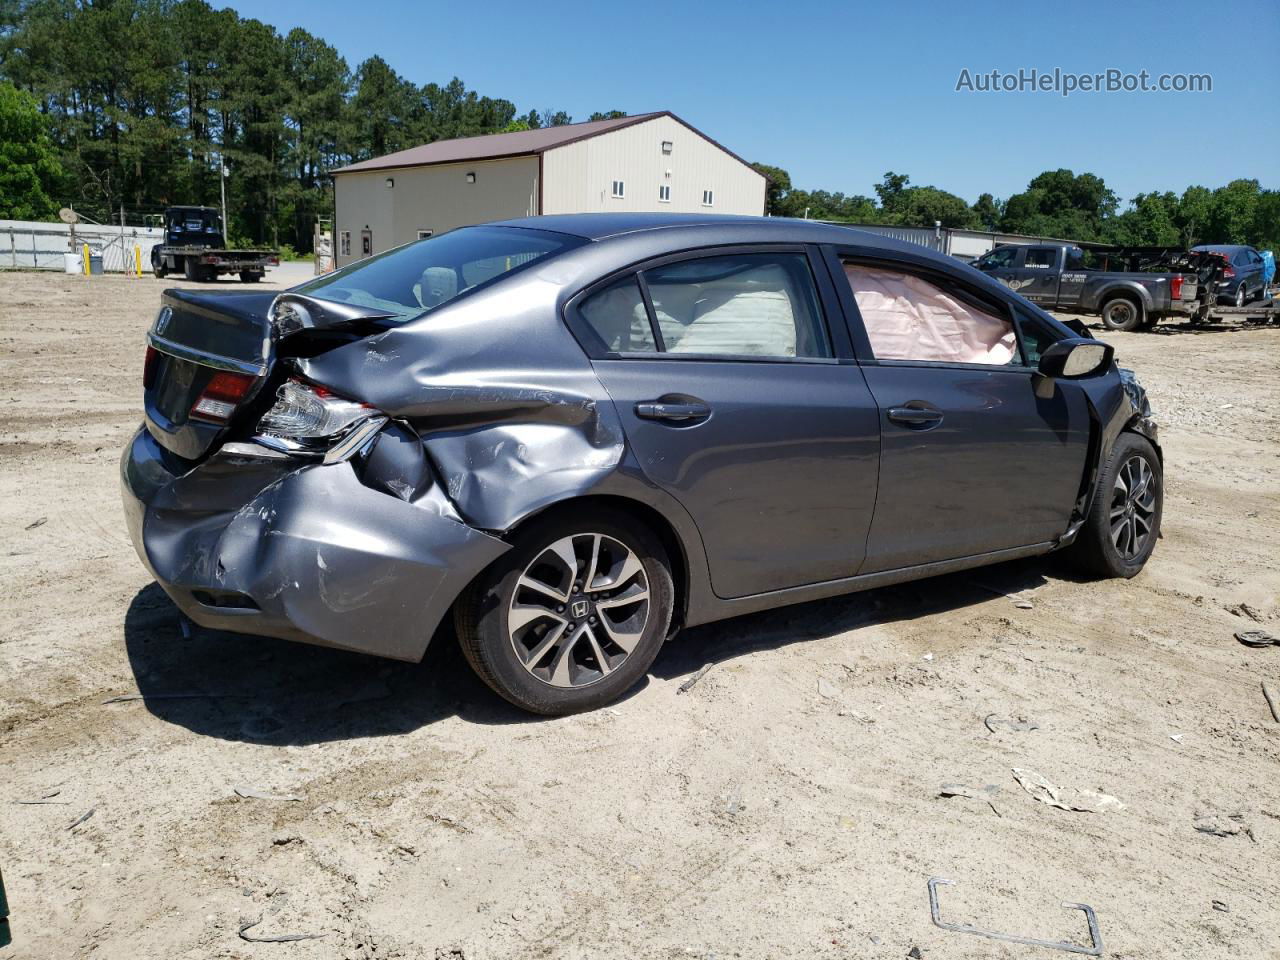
(418, 277)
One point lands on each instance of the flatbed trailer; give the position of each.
(204, 263)
(1264, 311)
(194, 246)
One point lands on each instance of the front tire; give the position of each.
(573, 616)
(1121, 314)
(1124, 521)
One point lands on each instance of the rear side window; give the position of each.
(1040, 259)
(417, 277)
(618, 317)
(910, 318)
(740, 305)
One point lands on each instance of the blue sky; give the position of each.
(838, 93)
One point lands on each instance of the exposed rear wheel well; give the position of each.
(642, 514)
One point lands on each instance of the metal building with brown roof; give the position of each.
(651, 161)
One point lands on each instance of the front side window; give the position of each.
(998, 259)
(910, 318)
(417, 277)
(741, 305)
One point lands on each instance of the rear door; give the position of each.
(974, 460)
(741, 400)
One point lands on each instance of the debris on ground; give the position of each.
(688, 684)
(247, 925)
(1273, 700)
(827, 689)
(1221, 824)
(1095, 936)
(915, 954)
(1176, 737)
(44, 798)
(1220, 906)
(733, 804)
(38, 522)
(1257, 638)
(82, 818)
(986, 793)
(253, 793)
(1023, 604)
(994, 722)
(1065, 798)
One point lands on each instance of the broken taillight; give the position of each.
(1175, 288)
(307, 412)
(221, 395)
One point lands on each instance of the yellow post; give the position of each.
(137, 258)
(84, 255)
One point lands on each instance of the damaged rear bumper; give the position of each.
(301, 552)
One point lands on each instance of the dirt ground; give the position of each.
(787, 805)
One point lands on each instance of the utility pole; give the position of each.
(223, 167)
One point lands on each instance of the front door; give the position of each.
(973, 460)
(733, 400)
(1036, 273)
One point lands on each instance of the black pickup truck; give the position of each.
(194, 246)
(1055, 277)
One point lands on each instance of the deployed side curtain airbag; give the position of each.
(909, 318)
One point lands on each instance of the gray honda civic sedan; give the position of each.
(574, 435)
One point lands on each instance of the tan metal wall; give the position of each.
(434, 198)
(579, 176)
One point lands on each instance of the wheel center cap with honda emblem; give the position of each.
(579, 609)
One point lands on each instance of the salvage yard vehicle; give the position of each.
(194, 247)
(1241, 280)
(575, 435)
(1055, 276)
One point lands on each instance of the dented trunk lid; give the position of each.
(195, 337)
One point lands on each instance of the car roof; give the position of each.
(1223, 247)
(684, 228)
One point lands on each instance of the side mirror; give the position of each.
(1076, 357)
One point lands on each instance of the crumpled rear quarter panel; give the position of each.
(511, 413)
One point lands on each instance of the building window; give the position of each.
(423, 234)
(344, 243)
(666, 146)
(708, 198)
(619, 189)
(366, 243)
(664, 194)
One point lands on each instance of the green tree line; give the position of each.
(139, 103)
(1057, 203)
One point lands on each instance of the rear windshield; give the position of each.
(418, 277)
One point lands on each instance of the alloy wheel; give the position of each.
(578, 610)
(1133, 507)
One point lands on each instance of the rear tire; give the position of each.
(191, 270)
(1121, 313)
(1241, 296)
(547, 658)
(1124, 520)
(250, 276)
